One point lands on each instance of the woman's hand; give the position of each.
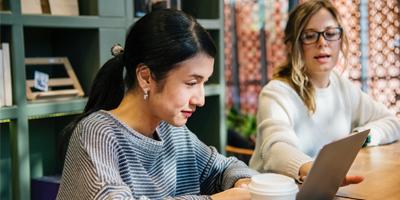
(348, 180)
(232, 194)
(304, 169)
(352, 180)
(242, 183)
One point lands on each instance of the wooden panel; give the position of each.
(380, 166)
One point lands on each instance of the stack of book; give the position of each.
(5, 76)
(53, 7)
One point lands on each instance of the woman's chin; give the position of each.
(178, 123)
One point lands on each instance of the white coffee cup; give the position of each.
(270, 186)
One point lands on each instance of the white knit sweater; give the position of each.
(288, 136)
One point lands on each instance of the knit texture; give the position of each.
(108, 160)
(289, 136)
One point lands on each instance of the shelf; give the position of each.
(215, 77)
(212, 24)
(201, 122)
(6, 18)
(80, 46)
(72, 21)
(31, 130)
(85, 7)
(4, 5)
(8, 113)
(194, 8)
(212, 90)
(5, 161)
(62, 107)
(54, 108)
(45, 145)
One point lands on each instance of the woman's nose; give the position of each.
(321, 41)
(198, 99)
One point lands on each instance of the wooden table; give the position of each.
(380, 167)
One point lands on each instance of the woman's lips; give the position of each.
(322, 58)
(187, 114)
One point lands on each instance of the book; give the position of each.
(31, 7)
(2, 5)
(45, 6)
(64, 7)
(7, 74)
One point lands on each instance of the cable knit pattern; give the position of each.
(288, 136)
(108, 160)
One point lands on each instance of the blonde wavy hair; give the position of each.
(293, 70)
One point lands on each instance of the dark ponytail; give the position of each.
(106, 93)
(108, 87)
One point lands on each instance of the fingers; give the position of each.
(242, 183)
(305, 168)
(232, 194)
(352, 180)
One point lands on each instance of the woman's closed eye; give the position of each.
(191, 83)
(332, 34)
(310, 35)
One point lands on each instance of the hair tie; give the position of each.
(117, 49)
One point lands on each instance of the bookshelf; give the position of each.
(29, 131)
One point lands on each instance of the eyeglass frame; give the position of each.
(323, 33)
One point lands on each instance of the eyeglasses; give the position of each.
(330, 34)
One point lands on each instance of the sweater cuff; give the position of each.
(375, 136)
(375, 139)
(295, 163)
(295, 159)
(238, 171)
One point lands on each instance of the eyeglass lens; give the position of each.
(331, 34)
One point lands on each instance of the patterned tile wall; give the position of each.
(383, 50)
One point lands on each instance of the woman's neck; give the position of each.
(319, 80)
(134, 112)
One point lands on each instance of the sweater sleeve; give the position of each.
(91, 168)
(92, 172)
(277, 143)
(217, 172)
(369, 114)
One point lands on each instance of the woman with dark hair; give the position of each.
(131, 142)
(308, 104)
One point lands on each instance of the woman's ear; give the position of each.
(143, 75)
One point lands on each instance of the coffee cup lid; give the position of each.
(271, 183)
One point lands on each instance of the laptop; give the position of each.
(330, 167)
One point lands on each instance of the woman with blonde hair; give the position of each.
(308, 104)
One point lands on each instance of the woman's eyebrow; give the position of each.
(196, 76)
(314, 29)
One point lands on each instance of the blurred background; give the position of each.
(253, 38)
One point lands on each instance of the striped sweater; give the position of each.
(108, 160)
